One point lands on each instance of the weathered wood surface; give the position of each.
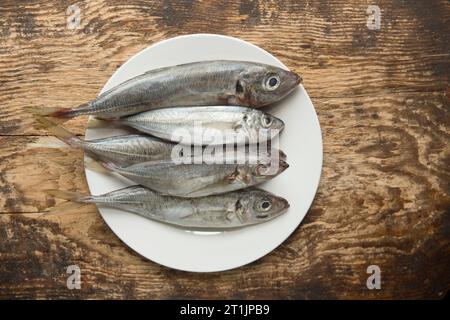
(383, 102)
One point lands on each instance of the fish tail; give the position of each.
(110, 166)
(69, 195)
(64, 208)
(76, 201)
(98, 165)
(64, 113)
(99, 123)
(59, 132)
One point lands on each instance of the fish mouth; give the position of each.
(297, 78)
(283, 205)
(283, 165)
(282, 155)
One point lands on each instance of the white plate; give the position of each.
(301, 140)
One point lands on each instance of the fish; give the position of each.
(124, 149)
(217, 82)
(197, 179)
(231, 210)
(130, 149)
(208, 125)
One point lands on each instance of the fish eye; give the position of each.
(272, 82)
(266, 121)
(265, 205)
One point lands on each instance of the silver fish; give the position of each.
(221, 82)
(198, 179)
(123, 150)
(130, 149)
(211, 125)
(221, 212)
(241, 154)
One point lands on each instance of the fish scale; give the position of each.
(227, 211)
(238, 123)
(196, 179)
(220, 82)
(123, 150)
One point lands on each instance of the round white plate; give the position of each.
(207, 252)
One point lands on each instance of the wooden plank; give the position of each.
(383, 103)
(45, 64)
(32, 164)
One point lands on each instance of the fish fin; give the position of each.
(56, 112)
(48, 111)
(231, 177)
(246, 178)
(64, 208)
(239, 176)
(230, 215)
(98, 123)
(41, 113)
(238, 126)
(68, 195)
(239, 210)
(59, 132)
(98, 165)
(51, 112)
(193, 193)
(110, 165)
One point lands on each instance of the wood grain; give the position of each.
(45, 64)
(382, 97)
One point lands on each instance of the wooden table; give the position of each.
(382, 97)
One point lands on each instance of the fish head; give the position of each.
(281, 154)
(268, 123)
(274, 152)
(261, 85)
(260, 206)
(261, 125)
(268, 150)
(266, 170)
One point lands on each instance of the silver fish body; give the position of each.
(230, 210)
(128, 149)
(208, 125)
(198, 179)
(123, 149)
(220, 82)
